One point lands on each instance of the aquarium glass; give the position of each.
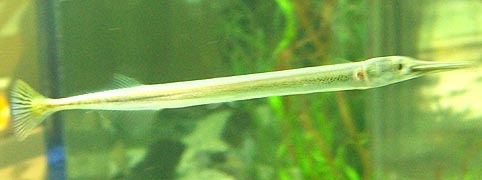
(427, 128)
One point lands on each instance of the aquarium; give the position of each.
(424, 128)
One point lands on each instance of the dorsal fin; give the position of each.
(123, 81)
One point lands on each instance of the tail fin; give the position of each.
(28, 109)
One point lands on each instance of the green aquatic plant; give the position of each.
(289, 31)
(315, 44)
(320, 136)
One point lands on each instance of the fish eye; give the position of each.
(400, 66)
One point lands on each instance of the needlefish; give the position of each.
(29, 108)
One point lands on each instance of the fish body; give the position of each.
(216, 90)
(29, 108)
